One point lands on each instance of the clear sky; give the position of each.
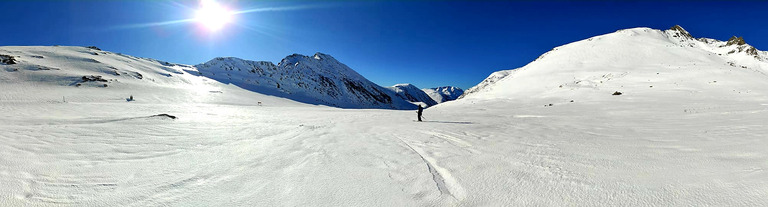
(426, 43)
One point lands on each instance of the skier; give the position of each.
(419, 112)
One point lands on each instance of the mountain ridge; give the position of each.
(412, 94)
(444, 93)
(629, 55)
(317, 79)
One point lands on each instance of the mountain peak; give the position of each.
(413, 94)
(736, 41)
(677, 29)
(403, 85)
(316, 79)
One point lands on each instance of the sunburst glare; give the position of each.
(212, 15)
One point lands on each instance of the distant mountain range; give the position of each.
(413, 94)
(444, 93)
(634, 61)
(317, 79)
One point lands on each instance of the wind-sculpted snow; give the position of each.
(317, 79)
(502, 153)
(413, 94)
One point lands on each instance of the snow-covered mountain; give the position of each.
(412, 94)
(80, 74)
(639, 62)
(316, 79)
(443, 93)
(688, 130)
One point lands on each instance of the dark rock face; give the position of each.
(93, 78)
(164, 116)
(359, 89)
(680, 31)
(736, 41)
(752, 51)
(7, 59)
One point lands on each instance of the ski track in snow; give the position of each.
(446, 184)
(309, 155)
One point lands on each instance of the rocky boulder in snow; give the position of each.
(7, 59)
(93, 78)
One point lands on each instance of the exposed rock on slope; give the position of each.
(7, 59)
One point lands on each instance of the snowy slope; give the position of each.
(686, 141)
(317, 79)
(684, 132)
(640, 62)
(444, 93)
(83, 74)
(412, 94)
(487, 82)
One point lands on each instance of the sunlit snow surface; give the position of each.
(688, 140)
(501, 154)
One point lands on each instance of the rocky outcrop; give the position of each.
(736, 41)
(7, 59)
(678, 31)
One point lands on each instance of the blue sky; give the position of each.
(426, 43)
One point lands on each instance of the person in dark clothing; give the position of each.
(419, 111)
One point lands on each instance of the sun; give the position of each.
(212, 15)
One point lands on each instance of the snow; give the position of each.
(443, 93)
(319, 79)
(630, 60)
(412, 94)
(686, 141)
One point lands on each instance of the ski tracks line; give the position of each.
(446, 183)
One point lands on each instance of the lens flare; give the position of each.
(212, 15)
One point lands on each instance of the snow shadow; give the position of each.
(450, 122)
